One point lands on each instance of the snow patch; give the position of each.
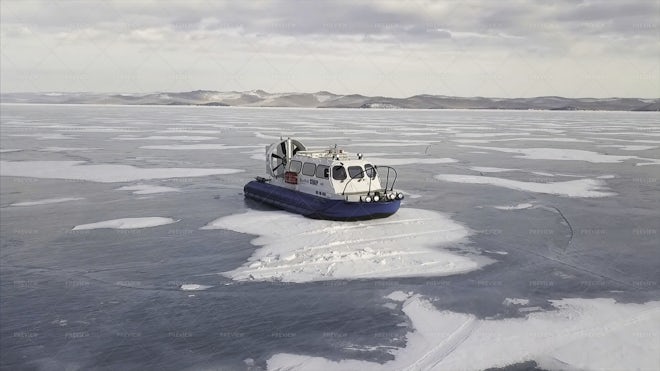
(572, 337)
(169, 137)
(515, 301)
(145, 189)
(194, 287)
(398, 296)
(409, 161)
(571, 188)
(47, 201)
(127, 223)
(516, 207)
(201, 146)
(407, 244)
(561, 154)
(103, 173)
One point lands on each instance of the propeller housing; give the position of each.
(279, 154)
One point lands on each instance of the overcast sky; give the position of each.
(510, 48)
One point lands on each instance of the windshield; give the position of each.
(338, 173)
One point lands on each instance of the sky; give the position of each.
(508, 48)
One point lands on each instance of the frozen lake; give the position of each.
(526, 237)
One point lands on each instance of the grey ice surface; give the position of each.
(111, 299)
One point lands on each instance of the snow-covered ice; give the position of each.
(103, 173)
(47, 201)
(521, 206)
(515, 301)
(200, 146)
(571, 188)
(593, 334)
(408, 161)
(67, 149)
(146, 189)
(127, 223)
(194, 287)
(409, 243)
(559, 154)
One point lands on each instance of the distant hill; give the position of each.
(324, 99)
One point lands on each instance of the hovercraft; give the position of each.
(325, 184)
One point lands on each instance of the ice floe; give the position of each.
(571, 188)
(573, 336)
(103, 173)
(47, 201)
(127, 223)
(146, 189)
(297, 249)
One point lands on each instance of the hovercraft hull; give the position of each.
(317, 207)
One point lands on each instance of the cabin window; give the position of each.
(295, 166)
(355, 172)
(309, 169)
(322, 172)
(370, 171)
(338, 173)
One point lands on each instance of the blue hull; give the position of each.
(316, 207)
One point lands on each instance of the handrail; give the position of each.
(375, 168)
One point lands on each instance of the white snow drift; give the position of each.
(127, 223)
(570, 188)
(297, 249)
(103, 173)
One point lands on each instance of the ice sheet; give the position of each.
(103, 173)
(573, 188)
(146, 189)
(297, 249)
(47, 201)
(594, 334)
(127, 223)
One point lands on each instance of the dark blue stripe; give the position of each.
(318, 207)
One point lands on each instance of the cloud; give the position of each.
(375, 39)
